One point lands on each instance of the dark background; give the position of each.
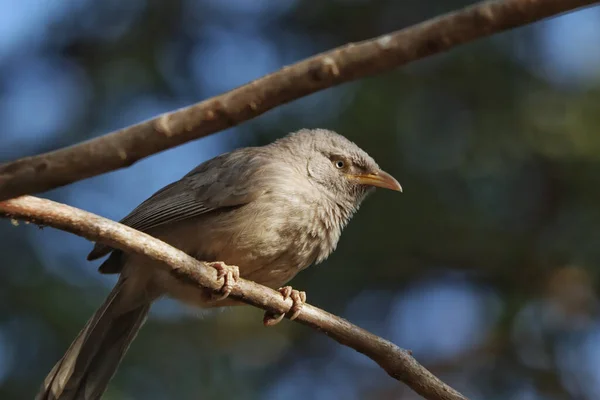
(486, 267)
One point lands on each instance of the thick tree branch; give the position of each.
(397, 362)
(353, 61)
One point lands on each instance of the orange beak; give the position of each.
(379, 179)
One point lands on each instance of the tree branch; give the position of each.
(343, 64)
(397, 362)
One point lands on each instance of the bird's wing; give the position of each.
(220, 183)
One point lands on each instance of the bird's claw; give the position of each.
(298, 299)
(230, 275)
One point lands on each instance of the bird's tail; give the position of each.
(93, 357)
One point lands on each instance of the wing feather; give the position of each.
(211, 186)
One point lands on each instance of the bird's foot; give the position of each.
(298, 299)
(230, 275)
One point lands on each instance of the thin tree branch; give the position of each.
(397, 362)
(343, 64)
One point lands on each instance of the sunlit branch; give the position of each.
(397, 362)
(343, 64)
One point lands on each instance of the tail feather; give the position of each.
(92, 359)
(113, 348)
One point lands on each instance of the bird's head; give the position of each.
(338, 166)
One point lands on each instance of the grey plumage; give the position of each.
(272, 210)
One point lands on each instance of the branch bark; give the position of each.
(398, 363)
(343, 64)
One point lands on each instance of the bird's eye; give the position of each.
(339, 164)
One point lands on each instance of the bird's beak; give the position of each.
(379, 179)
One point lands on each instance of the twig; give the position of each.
(397, 362)
(343, 64)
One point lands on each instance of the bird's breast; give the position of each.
(287, 234)
(270, 239)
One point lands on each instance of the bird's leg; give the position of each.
(298, 299)
(229, 273)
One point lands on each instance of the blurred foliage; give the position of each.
(486, 267)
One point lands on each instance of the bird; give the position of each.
(262, 213)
